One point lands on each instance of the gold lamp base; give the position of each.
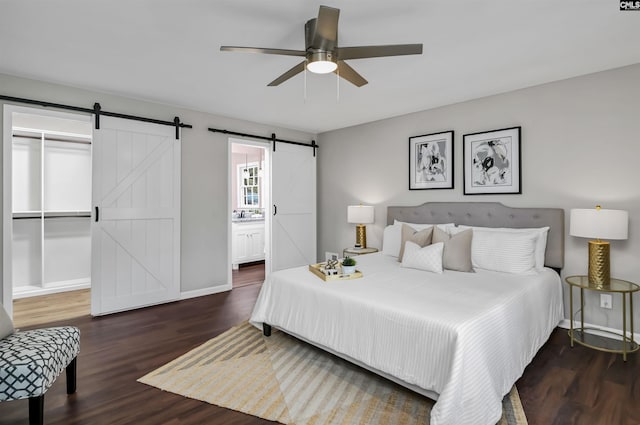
(361, 236)
(599, 265)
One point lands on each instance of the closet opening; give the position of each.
(248, 211)
(47, 214)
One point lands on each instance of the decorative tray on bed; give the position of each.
(319, 270)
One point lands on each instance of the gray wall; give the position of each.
(204, 170)
(580, 146)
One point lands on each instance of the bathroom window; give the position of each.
(249, 186)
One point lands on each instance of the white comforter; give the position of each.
(465, 336)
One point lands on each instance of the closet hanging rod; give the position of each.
(97, 111)
(272, 138)
(54, 216)
(49, 139)
(51, 214)
(68, 216)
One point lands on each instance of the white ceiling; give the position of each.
(168, 51)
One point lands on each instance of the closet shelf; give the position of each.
(26, 214)
(50, 136)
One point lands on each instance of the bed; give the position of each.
(462, 339)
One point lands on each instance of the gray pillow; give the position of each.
(6, 325)
(422, 237)
(457, 249)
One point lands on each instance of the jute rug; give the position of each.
(283, 379)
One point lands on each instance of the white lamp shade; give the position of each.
(360, 214)
(599, 223)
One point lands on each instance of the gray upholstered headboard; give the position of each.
(490, 214)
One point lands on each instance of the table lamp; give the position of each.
(361, 215)
(600, 224)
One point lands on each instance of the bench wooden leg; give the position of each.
(71, 376)
(36, 410)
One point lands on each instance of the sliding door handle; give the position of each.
(275, 209)
(97, 213)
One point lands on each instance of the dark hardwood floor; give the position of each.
(578, 385)
(561, 386)
(118, 349)
(248, 274)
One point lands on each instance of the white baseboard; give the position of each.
(50, 288)
(205, 291)
(606, 332)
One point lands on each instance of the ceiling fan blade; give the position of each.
(362, 52)
(327, 23)
(263, 50)
(350, 74)
(290, 73)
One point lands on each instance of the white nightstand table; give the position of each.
(626, 343)
(354, 252)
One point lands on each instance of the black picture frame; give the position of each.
(492, 162)
(431, 161)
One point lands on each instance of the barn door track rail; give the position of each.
(97, 111)
(272, 139)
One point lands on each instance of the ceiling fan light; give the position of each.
(322, 67)
(321, 63)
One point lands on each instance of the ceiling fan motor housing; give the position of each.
(320, 56)
(315, 41)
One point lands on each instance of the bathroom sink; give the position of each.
(244, 219)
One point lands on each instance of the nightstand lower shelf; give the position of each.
(625, 345)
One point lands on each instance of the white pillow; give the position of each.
(506, 252)
(391, 240)
(392, 235)
(428, 258)
(541, 238)
(419, 226)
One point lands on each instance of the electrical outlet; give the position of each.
(606, 301)
(330, 256)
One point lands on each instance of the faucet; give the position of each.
(242, 214)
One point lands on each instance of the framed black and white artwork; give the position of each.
(431, 161)
(492, 162)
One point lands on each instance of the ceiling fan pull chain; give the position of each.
(338, 85)
(305, 82)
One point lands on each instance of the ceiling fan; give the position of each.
(322, 54)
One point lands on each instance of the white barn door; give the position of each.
(293, 195)
(136, 216)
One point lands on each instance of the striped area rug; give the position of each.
(282, 379)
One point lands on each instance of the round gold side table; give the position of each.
(352, 252)
(626, 343)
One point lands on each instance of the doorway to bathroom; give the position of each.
(248, 210)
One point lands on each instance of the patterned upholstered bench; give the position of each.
(31, 361)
